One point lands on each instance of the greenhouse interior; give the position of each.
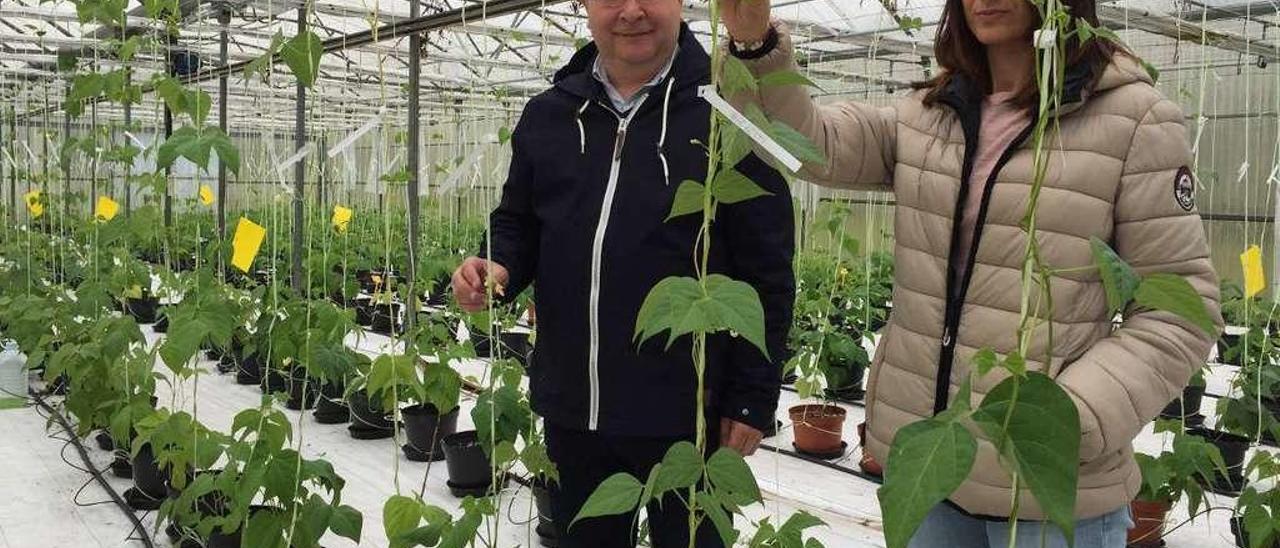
(239, 284)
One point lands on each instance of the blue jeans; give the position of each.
(946, 527)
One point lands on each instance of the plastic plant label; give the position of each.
(1254, 278)
(206, 195)
(33, 203)
(244, 245)
(350, 139)
(106, 209)
(753, 131)
(341, 218)
(295, 158)
(1046, 38)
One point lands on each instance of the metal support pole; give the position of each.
(224, 19)
(128, 122)
(415, 134)
(299, 171)
(64, 160)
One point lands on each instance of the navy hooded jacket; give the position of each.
(582, 219)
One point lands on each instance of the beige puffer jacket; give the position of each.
(1114, 172)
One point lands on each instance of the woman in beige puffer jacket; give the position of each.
(1118, 170)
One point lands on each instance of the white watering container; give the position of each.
(13, 375)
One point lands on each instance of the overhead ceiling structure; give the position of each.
(488, 56)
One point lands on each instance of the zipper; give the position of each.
(955, 304)
(597, 248)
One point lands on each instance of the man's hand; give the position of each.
(469, 282)
(747, 20)
(739, 437)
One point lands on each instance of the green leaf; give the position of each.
(129, 48)
(302, 54)
(731, 186)
(737, 77)
(730, 473)
(985, 360)
(928, 461)
(265, 529)
(736, 305)
(198, 103)
(714, 511)
(228, 154)
(1118, 278)
(735, 145)
(681, 468)
(400, 515)
(618, 494)
(667, 300)
(786, 78)
(504, 135)
(1173, 294)
(678, 304)
(795, 143)
(1014, 364)
(689, 199)
(347, 522)
(1041, 442)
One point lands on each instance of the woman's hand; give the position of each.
(747, 20)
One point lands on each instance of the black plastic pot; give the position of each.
(162, 323)
(1228, 341)
(1242, 536)
(546, 528)
(143, 309)
(1233, 450)
(121, 466)
(104, 441)
(148, 479)
(249, 371)
(303, 392)
(1192, 395)
(387, 318)
(274, 381)
(469, 468)
(425, 427)
(330, 408)
(368, 421)
(364, 311)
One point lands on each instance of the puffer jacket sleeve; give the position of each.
(857, 139)
(1124, 380)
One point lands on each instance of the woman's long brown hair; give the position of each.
(959, 52)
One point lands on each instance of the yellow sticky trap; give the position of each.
(1254, 278)
(107, 209)
(206, 195)
(245, 243)
(341, 218)
(33, 203)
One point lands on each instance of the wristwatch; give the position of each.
(757, 49)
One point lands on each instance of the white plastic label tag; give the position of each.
(364, 128)
(295, 158)
(754, 132)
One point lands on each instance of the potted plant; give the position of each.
(372, 407)
(1169, 478)
(1256, 523)
(167, 450)
(818, 427)
(479, 460)
(1187, 407)
(433, 390)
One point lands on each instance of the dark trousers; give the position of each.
(585, 459)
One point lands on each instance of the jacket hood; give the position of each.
(692, 66)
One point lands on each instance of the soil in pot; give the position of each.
(425, 427)
(302, 391)
(144, 309)
(1148, 523)
(330, 407)
(1233, 450)
(368, 421)
(468, 465)
(819, 429)
(1193, 396)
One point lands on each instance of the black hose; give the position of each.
(84, 455)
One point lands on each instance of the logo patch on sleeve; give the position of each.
(1184, 189)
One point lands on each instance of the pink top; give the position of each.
(1001, 124)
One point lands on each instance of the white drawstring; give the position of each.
(662, 137)
(582, 132)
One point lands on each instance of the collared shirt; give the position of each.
(625, 104)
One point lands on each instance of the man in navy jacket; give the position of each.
(596, 163)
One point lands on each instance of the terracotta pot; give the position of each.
(867, 463)
(818, 428)
(1148, 522)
